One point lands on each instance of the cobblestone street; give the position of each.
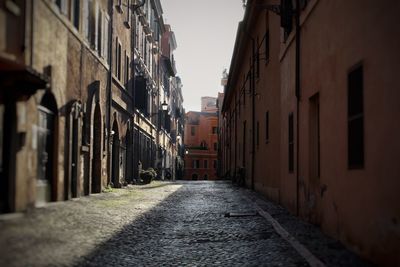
(164, 224)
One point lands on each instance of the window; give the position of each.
(267, 126)
(303, 3)
(119, 6)
(75, 13)
(239, 104)
(63, 6)
(100, 33)
(258, 133)
(291, 144)
(205, 164)
(266, 47)
(214, 130)
(215, 164)
(192, 130)
(286, 17)
(196, 164)
(314, 136)
(136, 25)
(1, 135)
(128, 14)
(86, 18)
(258, 58)
(127, 63)
(215, 146)
(118, 59)
(93, 30)
(104, 29)
(355, 110)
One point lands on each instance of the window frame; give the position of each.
(354, 117)
(291, 142)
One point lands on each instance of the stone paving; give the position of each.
(161, 224)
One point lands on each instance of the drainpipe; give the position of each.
(109, 90)
(298, 87)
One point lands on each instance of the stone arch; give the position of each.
(92, 137)
(96, 149)
(73, 140)
(115, 159)
(129, 154)
(47, 134)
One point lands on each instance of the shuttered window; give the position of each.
(291, 143)
(355, 109)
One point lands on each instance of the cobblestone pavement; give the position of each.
(162, 224)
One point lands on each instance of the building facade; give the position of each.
(80, 98)
(201, 142)
(309, 114)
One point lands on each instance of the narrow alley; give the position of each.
(164, 224)
(199, 133)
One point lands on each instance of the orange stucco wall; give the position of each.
(360, 207)
(203, 124)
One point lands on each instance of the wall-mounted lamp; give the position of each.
(164, 106)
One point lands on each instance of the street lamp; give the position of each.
(164, 106)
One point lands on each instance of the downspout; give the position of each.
(109, 89)
(298, 87)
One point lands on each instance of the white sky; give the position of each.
(205, 32)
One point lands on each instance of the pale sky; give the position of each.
(205, 32)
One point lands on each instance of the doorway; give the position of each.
(72, 162)
(96, 150)
(129, 156)
(46, 149)
(8, 121)
(115, 156)
(314, 160)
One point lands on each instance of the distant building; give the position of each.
(201, 144)
(209, 104)
(221, 157)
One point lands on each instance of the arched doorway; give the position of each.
(47, 149)
(72, 149)
(8, 152)
(115, 156)
(96, 150)
(129, 156)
